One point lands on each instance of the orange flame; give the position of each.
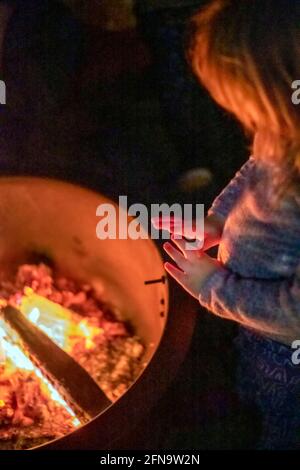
(16, 359)
(61, 325)
(64, 327)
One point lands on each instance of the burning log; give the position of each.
(73, 382)
(58, 322)
(50, 316)
(31, 409)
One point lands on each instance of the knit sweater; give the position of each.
(258, 283)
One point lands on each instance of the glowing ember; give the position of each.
(32, 411)
(19, 360)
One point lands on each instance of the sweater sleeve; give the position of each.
(223, 204)
(270, 306)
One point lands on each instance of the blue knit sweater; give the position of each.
(258, 284)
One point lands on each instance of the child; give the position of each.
(247, 54)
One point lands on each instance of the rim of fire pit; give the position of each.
(111, 427)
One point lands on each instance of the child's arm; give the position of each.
(273, 307)
(232, 192)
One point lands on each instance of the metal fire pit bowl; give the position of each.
(58, 220)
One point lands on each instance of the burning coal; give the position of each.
(32, 410)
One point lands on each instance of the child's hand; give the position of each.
(213, 228)
(195, 266)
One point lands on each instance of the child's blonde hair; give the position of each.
(247, 54)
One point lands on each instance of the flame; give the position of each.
(34, 315)
(63, 326)
(2, 352)
(60, 324)
(16, 359)
(89, 332)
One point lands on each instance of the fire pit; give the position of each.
(46, 222)
(90, 343)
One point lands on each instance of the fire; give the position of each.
(2, 352)
(35, 396)
(61, 325)
(15, 359)
(65, 328)
(34, 315)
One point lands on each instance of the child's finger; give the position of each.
(176, 273)
(169, 218)
(176, 255)
(179, 242)
(166, 223)
(183, 246)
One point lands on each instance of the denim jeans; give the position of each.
(268, 380)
